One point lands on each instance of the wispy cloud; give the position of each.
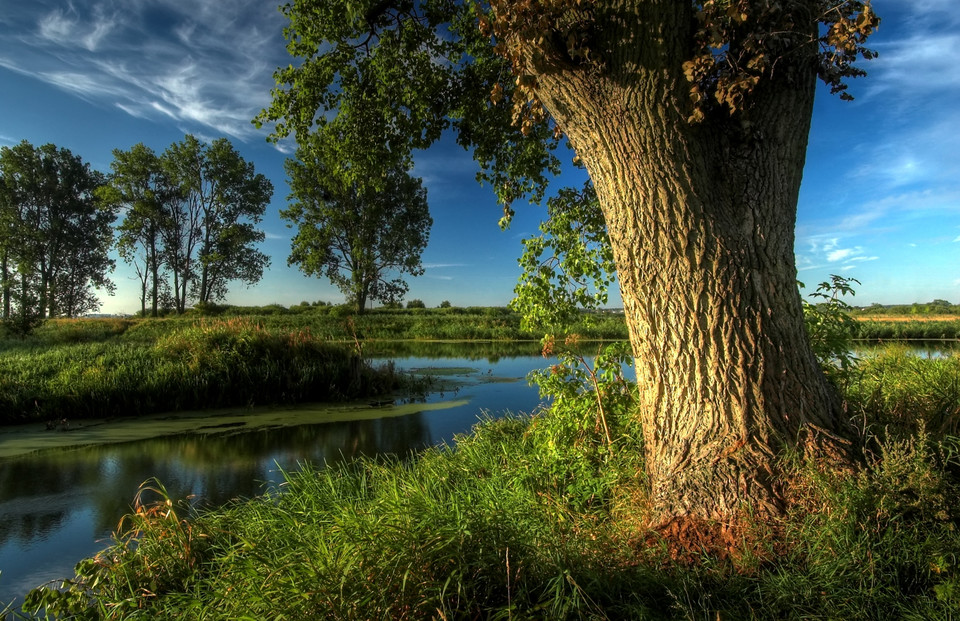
(56, 27)
(832, 253)
(840, 254)
(433, 266)
(193, 61)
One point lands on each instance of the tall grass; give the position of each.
(122, 367)
(910, 329)
(540, 518)
(211, 363)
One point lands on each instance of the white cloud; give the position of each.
(189, 60)
(56, 27)
(839, 255)
(100, 30)
(957, 238)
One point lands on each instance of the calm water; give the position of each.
(58, 506)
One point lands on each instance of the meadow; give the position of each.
(543, 517)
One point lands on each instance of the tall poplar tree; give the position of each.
(141, 186)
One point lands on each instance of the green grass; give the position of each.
(126, 367)
(537, 518)
(910, 329)
(83, 371)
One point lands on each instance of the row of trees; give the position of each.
(188, 227)
(55, 234)
(190, 224)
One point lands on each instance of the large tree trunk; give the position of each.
(701, 218)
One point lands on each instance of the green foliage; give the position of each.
(901, 394)
(190, 225)
(569, 266)
(140, 183)
(361, 238)
(371, 84)
(415, 303)
(55, 235)
(587, 394)
(829, 326)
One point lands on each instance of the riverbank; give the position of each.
(70, 370)
(102, 369)
(541, 518)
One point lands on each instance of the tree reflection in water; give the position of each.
(61, 505)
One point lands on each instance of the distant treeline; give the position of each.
(936, 307)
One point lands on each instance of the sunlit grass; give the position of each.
(205, 364)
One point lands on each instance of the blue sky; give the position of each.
(880, 200)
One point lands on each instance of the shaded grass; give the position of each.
(537, 518)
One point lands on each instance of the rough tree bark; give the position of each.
(701, 218)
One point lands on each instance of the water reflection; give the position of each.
(58, 506)
(40, 492)
(490, 351)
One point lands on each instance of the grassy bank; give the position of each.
(540, 518)
(907, 328)
(242, 356)
(90, 368)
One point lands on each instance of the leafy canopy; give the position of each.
(377, 79)
(363, 238)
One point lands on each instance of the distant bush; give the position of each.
(416, 304)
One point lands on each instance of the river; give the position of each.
(63, 492)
